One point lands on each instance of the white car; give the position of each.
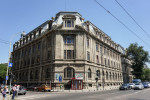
(148, 84)
(132, 85)
(138, 86)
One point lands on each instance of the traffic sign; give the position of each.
(60, 78)
(6, 77)
(10, 64)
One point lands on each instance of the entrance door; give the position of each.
(76, 84)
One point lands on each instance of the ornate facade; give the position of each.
(126, 66)
(67, 48)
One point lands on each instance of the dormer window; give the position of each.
(69, 23)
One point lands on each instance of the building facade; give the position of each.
(70, 52)
(126, 66)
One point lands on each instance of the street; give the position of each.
(79, 95)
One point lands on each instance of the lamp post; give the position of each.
(10, 54)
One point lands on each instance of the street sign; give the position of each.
(60, 78)
(6, 77)
(10, 64)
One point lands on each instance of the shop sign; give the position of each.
(57, 77)
(79, 76)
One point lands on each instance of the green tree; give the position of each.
(146, 74)
(3, 70)
(139, 57)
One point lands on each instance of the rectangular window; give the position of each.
(69, 23)
(69, 54)
(97, 58)
(96, 46)
(105, 62)
(48, 55)
(102, 61)
(88, 42)
(101, 50)
(68, 39)
(88, 55)
(39, 46)
(105, 51)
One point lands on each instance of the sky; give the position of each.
(25, 15)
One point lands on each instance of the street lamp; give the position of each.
(12, 37)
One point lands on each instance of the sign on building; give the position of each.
(79, 76)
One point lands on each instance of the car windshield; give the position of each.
(131, 84)
(137, 83)
(144, 83)
(124, 84)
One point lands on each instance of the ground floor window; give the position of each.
(69, 72)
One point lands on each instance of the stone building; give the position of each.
(126, 66)
(70, 52)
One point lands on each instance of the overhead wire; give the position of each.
(122, 23)
(133, 19)
(4, 41)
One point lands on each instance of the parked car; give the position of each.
(22, 90)
(145, 84)
(148, 84)
(138, 86)
(31, 88)
(125, 87)
(132, 85)
(44, 88)
(136, 81)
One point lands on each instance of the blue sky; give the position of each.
(25, 15)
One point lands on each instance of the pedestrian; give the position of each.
(4, 92)
(14, 91)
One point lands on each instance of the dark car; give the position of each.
(125, 87)
(145, 84)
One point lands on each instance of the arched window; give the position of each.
(103, 73)
(69, 72)
(110, 75)
(89, 73)
(106, 75)
(98, 74)
(113, 76)
(116, 76)
(48, 73)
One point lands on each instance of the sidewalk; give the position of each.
(8, 97)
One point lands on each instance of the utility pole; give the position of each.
(10, 54)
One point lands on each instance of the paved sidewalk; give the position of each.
(8, 97)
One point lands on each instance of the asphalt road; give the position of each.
(101, 95)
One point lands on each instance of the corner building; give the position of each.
(69, 52)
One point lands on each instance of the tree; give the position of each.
(139, 57)
(146, 74)
(3, 70)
